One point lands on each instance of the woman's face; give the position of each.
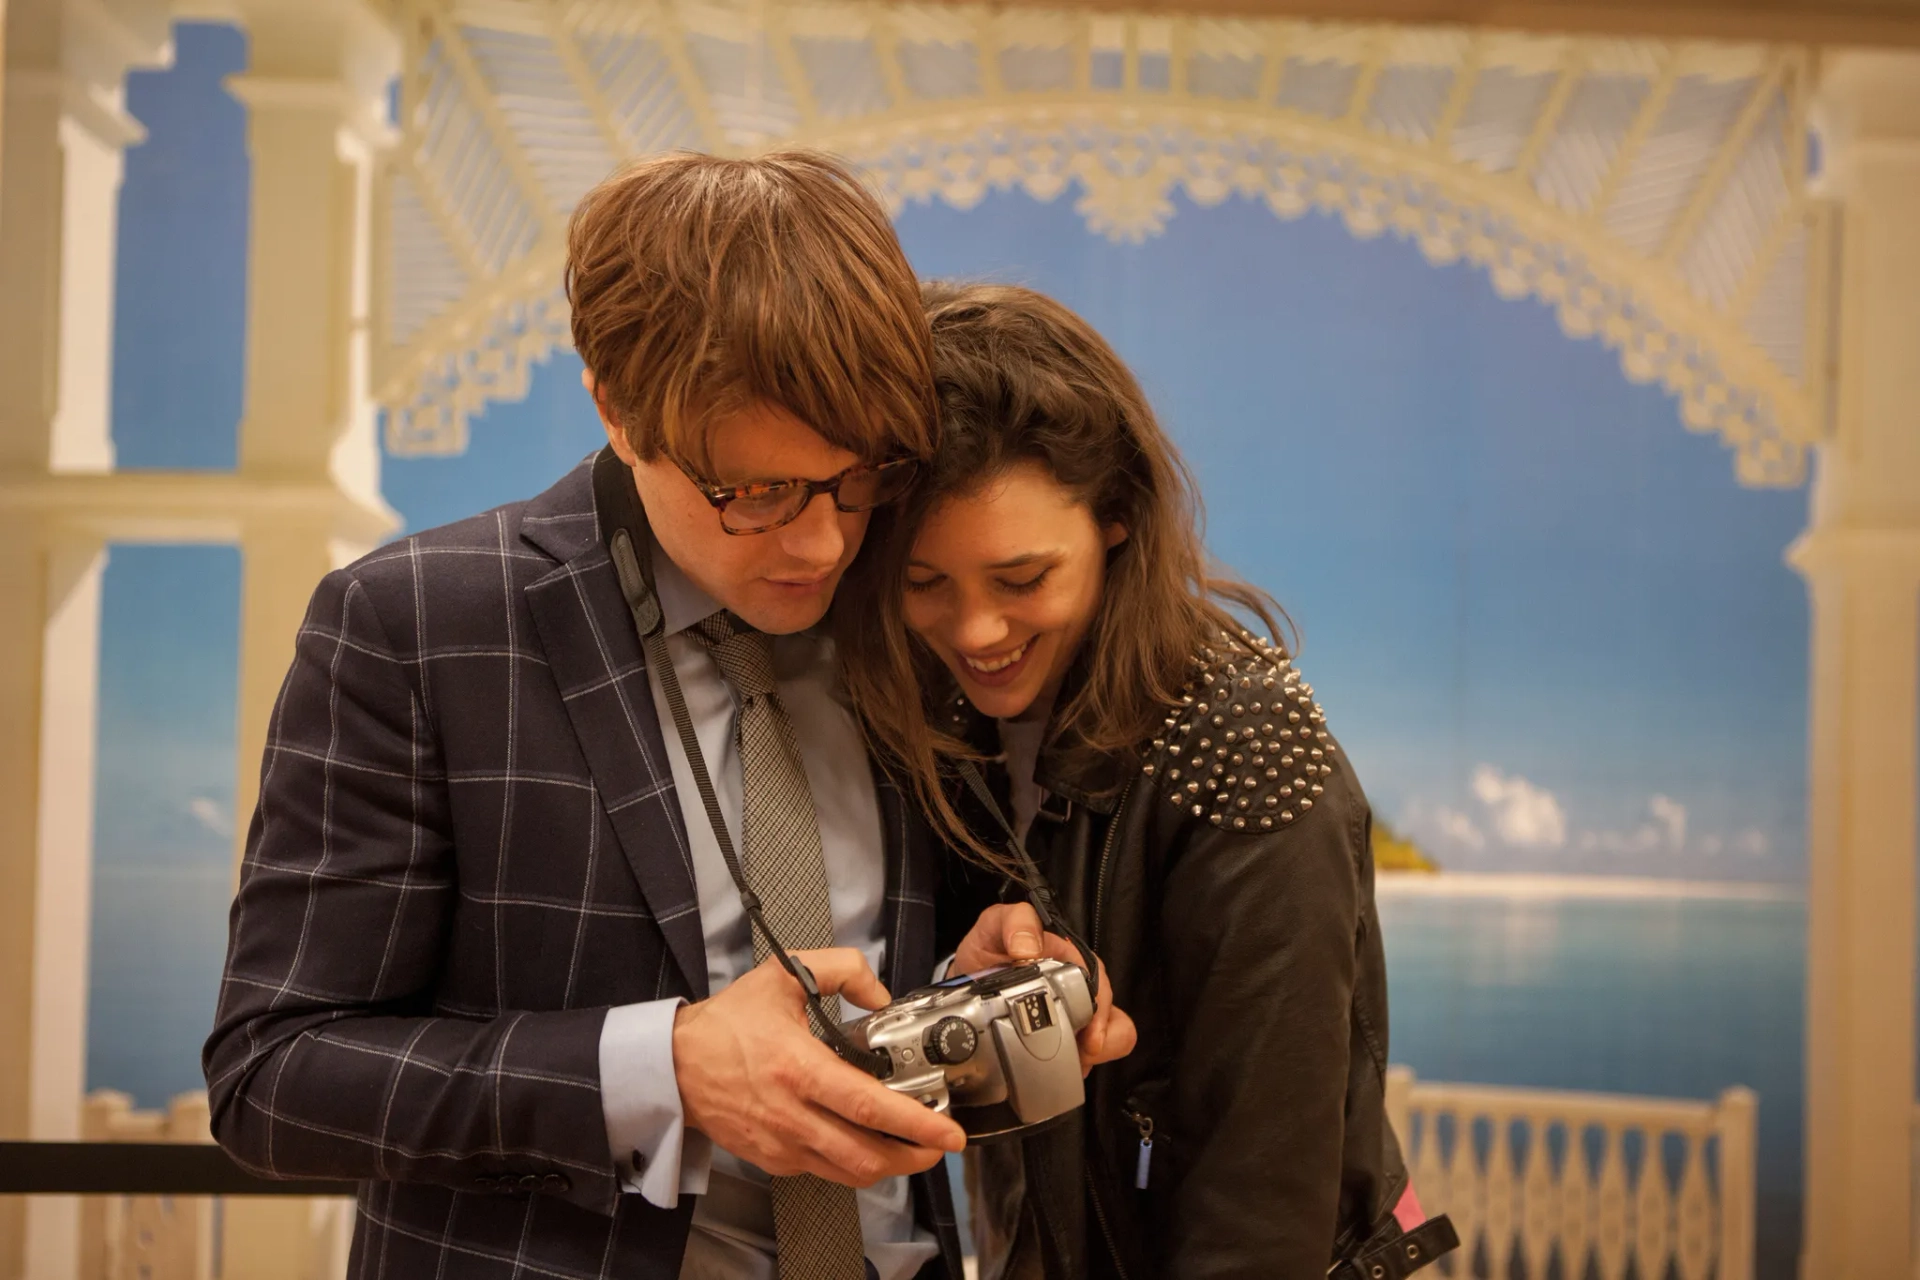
(1003, 583)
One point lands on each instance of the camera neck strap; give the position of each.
(1045, 905)
(637, 585)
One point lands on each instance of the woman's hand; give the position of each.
(1011, 934)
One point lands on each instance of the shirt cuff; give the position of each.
(655, 1155)
(941, 970)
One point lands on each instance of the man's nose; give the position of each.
(814, 536)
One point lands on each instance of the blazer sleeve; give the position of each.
(326, 1058)
(1260, 947)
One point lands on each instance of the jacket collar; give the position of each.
(564, 520)
(1086, 778)
(592, 645)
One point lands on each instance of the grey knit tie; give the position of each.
(816, 1223)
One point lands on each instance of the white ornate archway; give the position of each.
(1655, 194)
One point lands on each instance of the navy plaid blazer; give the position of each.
(469, 846)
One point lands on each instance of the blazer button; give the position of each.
(529, 1183)
(484, 1183)
(556, 1184)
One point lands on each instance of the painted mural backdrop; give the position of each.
(1556, 638)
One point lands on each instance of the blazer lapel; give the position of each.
(588, 636)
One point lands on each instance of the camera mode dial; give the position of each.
(950, 1040)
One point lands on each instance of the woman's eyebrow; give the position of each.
(1017, 562)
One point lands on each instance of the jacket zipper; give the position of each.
(1106, 855)
(1100, 1212)
(1142, 1165)
(1099, 907)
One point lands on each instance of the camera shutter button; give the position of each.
(951, 1040)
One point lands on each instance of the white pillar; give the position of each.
(62, 130)
(1861, 559)
(63, 887)
(65, 130)
(315, 92)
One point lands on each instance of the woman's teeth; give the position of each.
(991, 665)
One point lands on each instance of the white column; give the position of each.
(62, 131)
(65, 130)
(1861, 560)
(315, 92)
(63, 888)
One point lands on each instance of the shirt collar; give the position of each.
(682, 604)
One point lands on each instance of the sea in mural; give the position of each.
(1556, 639)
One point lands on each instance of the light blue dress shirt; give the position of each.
(732, 1236)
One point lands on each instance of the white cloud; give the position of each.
(211, 814)
(1671, 816)
(1522, 814)
(1459, 828)
(1752, 842)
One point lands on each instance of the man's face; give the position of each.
(780, 581)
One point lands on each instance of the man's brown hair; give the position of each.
(701, 285)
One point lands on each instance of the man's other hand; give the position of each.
(1011, 934)
(753, 1078)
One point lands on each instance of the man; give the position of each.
(487, 956)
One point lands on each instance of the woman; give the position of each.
(1173, 778)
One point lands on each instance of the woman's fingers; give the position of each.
(1108, 1039)
(1010, 933)
(1004, 934)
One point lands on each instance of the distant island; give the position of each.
(1393, 852)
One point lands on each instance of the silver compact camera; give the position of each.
(994, 1050)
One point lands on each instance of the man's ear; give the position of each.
(1115, 534)
(622, 448)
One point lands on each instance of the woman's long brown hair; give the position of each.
(1021, 378)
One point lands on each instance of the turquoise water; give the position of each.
(1675, 996)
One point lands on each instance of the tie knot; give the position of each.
(744, 654)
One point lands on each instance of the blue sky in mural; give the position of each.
(180, 298)
(169, 632)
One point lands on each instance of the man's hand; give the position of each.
(1010, 934)
(753, 1079)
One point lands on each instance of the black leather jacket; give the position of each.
(1228, 887)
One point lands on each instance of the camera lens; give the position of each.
(950, 1040)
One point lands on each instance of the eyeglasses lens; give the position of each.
(753, 512)
(865, 490)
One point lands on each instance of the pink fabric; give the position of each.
(1407, 1213)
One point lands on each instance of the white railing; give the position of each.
(1616, 1179)
(201, 1238)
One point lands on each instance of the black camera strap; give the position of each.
(637, 585)
(1045, 905)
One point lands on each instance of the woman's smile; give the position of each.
(998, 668)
